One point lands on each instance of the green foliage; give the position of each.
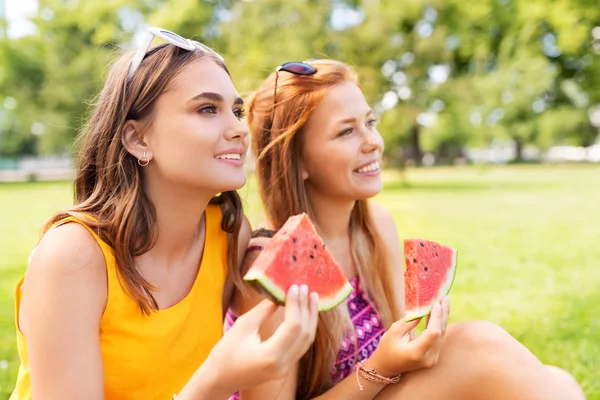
(443, 74)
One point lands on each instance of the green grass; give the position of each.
(527, 239)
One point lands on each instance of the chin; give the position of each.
(366, 193)
(231, 183)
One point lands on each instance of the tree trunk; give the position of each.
(415, 139)
(518, 150)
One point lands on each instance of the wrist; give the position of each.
(380, 366)
(373, 375)
(207, 383)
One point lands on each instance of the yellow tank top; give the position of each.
(152, 357)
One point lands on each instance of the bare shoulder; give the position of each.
(62, 302)
(67, 250)
(66, 268)
(384, 221)
(386, 227)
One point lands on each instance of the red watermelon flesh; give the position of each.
(296, 254)
(430, 272)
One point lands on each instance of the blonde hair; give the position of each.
(109, 196)
(276, 142)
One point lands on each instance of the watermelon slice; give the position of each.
(429, 274)
(297, 255)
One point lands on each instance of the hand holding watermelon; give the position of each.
(262, 361)
(297, 255)
(430, 272)
(398, 352)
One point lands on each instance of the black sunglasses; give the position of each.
(293, 67)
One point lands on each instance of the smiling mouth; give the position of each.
(374, 166)
(232, 156)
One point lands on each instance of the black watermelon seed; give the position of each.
(323, 245)
(294, 258)
(311, 256)
(421, 243)
(415, 260)
(293, 240)
(315, 246)
(426, 268)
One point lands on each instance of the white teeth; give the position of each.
(229, 157)
(371, 167)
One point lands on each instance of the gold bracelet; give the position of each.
(373, 375)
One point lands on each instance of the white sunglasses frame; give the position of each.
(169, 37)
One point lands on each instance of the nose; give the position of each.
(237, 130)
(372, 141)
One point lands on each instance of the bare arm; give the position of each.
(389, 234)
(225, 372)
(285, 388)
(64, 296)
(406, 355)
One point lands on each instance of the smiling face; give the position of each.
(341, 147)
(195, 137)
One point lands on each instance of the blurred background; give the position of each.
(490, 110)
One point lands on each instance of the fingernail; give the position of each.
(314, 296)
(294, 289)
(304, 289)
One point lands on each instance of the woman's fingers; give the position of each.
(304, 307)
(313, 315)
(435, 319)
(309, 325)
(401, 327)
(445, 313)
(433, 332)
(285, 338)
(253, 319)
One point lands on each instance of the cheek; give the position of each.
(329, 167)
(185, 144)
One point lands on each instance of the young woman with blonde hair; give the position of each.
(318, 151)
(125, 295)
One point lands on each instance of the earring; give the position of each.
(143, 163)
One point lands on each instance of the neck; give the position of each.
(179, 212)
(332, 215)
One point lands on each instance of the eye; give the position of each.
(346, 132)
(372, 122)
(208, 109)
(240, 113)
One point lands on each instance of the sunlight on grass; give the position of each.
(527, 239)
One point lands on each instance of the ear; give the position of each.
(303, 171)
(304, 174)
(134, 142)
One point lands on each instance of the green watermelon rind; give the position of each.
(425, 311)
(325, 303)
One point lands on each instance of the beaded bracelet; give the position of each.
(372, 375)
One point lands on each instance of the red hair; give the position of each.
(276, 142)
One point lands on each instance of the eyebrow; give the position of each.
(216, 97)
(351, 120)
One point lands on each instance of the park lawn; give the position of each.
(527, 238)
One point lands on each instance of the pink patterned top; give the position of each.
(368, 330)
(359, 345)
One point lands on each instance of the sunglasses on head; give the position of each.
(293, 67)
(171, 38)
